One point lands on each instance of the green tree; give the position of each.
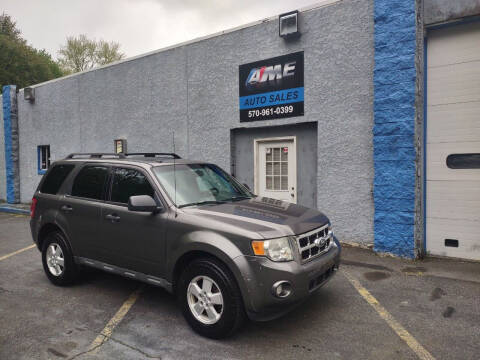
(21, 64)
(108, 52)
(8, 27)
(81, 53)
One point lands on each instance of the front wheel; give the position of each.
(210, 299)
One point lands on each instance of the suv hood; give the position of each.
(268, 217)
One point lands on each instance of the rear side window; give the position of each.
(55, 178)
(90, 182)
(129, 182)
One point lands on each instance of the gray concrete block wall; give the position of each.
(193, 91)
(3, 185)
(338, 45)
(437, 11)
(53, 119)
(342, 98)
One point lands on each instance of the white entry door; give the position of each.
(276, 168)
(453, 141)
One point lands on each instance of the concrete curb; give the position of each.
(12, 210)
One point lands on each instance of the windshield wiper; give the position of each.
(206, 202)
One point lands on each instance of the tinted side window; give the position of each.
(90, 182)
(55, 178)
(129, 182)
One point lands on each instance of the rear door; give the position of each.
(80, 210)
(48, 196)
(136, 240)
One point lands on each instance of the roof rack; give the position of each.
(154, 154)
(121, 155)
(95, 155)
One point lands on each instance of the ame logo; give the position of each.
(270, 73)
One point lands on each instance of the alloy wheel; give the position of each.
(55, 259)
(205, 299)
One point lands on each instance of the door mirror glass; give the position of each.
(143, 203)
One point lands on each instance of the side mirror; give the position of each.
(248, 187)
(143, 203)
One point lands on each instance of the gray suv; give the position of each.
(186, 226)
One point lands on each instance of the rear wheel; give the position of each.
(57, 260)
(210, 299)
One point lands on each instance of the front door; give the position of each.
(133, 240)
(276, 168)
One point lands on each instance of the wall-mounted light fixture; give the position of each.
(120, 146)
(288, 25)
(29, 94)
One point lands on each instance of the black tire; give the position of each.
(233, 313)
(70, 270)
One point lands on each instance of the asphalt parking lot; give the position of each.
(374, 308)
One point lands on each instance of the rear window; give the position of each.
(55, 178)
(90, 182)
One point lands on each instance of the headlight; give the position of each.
(275, 249)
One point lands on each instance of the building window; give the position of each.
(43, 152)
(277, 168)
(463, 161)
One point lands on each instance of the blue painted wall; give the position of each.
(7, 123)
(394, 126)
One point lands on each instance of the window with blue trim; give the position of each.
(43, 153)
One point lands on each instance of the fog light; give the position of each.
(282, 289)
(279, 290)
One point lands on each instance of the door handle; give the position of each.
(112, 217)
(66, 208)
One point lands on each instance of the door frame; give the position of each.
(256, 143)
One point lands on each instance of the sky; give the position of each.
(139, 26)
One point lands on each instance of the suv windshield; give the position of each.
(199, 184)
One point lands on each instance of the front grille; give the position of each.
(314, 243)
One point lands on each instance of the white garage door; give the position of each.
(453, 141)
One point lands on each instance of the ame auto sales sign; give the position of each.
(272, 88)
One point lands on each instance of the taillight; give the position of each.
(32, 207)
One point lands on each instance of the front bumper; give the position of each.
(259, 274)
